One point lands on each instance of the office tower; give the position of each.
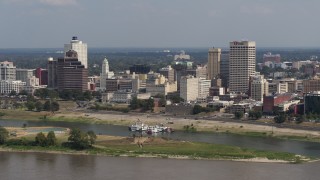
(42, 74)
(80, 48)
(224, 69)
(242, 65)
(213, 69)
(310, 85)
(7, 71)
(105, 74)
(258, 87)
(24, 74)
(189, 88)
(71, 73)
(167, 72)
(204, 87)
(52, 73)
(312, 102)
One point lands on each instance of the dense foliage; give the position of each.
(145, 105)
(281, 118)
(4, 134)
(42, 140)
(238, 115)
(81, 140)
(255, 115)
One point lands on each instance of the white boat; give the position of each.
(138, 127)
(161, 128)
(152, 130)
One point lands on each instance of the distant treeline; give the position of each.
(121, 60)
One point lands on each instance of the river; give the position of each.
(262, 143)
(34, 166)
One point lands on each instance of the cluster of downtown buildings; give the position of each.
(229, 80)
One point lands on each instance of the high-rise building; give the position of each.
(192, 88)
(189, 88)
(80, 48)
(224, 69)
(310, 85)
(52, 73)
(7, 71)
(42, 74)
(242, 65)
(213, 68)
(24, 74)
(71, 74)
(167, 72)
(258, 87)
(105, 74)
(312, 103)
(204, 86)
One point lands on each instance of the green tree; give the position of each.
(92, 137)
(281, 118)
(13, 93)
(255, 115)
(39, 106)
(51, 139)
(41, 139)
(23, 92)
(87, 95)
(197, 109)
(42, 93)
(55, 106)
(30, 105)
(47, 106)
(176, 99)
(258, 114)
(149, 104)
(134, 103)
(53, 94)
(78, 139)
(238, 115)
(4, 134)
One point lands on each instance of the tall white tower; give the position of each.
(105, 66)
(80, 47)
(242, 65)
(105, 74)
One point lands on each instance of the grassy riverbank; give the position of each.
(201, 125)
(164, 148)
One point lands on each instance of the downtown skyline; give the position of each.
(142, 23)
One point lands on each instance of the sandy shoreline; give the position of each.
(201, 125)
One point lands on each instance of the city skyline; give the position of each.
(141, 23)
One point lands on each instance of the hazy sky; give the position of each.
(159, 23)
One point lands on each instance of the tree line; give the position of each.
(77, 139)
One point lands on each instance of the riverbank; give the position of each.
(150, 147)
(126, 119)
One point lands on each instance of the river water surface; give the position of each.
(41, 166)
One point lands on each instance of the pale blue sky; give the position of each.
(159, 23)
